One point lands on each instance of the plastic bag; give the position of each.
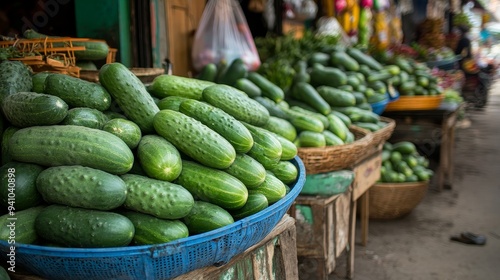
(223, 34)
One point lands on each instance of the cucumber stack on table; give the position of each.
(116, 164)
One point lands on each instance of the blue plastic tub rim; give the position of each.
(171, 247)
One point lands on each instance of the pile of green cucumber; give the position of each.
(401, 163)
(118, 164)
(329, 93)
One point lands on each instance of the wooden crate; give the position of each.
(366, 174)
(320, 243)
(275, 257)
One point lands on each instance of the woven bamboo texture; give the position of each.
(407, 103)
(330, 158)
(395, 200)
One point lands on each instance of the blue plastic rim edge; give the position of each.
(174, 246)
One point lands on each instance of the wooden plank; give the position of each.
(366, 174)
(315, 200)
(352, 238)
(342, 210)
(365, 215)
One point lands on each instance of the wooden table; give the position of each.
(433, 131)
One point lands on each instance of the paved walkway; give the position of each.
(417, 247)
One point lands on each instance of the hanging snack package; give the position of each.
(223, 35)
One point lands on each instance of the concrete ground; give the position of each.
(418, 246)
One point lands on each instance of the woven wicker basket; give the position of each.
(395, 200)
(385, 133)
(330, 158)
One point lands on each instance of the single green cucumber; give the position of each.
(171, 85)
(289, 150)
(327, 76)
(365, 59)
(296, 103)
(24, 109)
(248, 170)
(331, 139)
(360, 97)
(221, 122)
(311, 139)
(319, 57)
(14, 77)
(303, 122)
(7, 134)
(124, 129)
(83, 116)
(171, 102)
(343, 117)
(256, 202)
(39, 81)
(269, 89)
(150, 230)
(267, 148)
(340, 58)
(248, 87)
(87, 65)
(272, 188)
(24, 226)
(368, 126)
(83, 187)
(308, 94)
(319, 116)
(206, 216)
(78, 227)
(281, 127)
(286, 172)
(18, 185)
(271, 106)
(212, 185)
(71, 145)
(162, 199)
(195, 139)
(337, 126)
(208, 73)
(130, 94)
(336, 97)
(236, 70)
(159, 158)
(77, 92)
(114, 115)
(404, 147)
(237, 104)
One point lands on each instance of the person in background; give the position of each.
(464, 43)
(485, 36)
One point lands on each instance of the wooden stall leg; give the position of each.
(352, 238)
(365, 213)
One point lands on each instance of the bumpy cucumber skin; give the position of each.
(7, 134)
(25, 184)
(78, 227)
(256, 202)
(24, 109)
(124, 129)
(161, 199)
(130, 94)
(194, 139)
(206, 216)
(211, 185)
(39, 81)
(248, 170)
(77, 92)
(281, 127)
(237, 104)
(159, 158)
(337, 126)
(221, 122)
(87, 117)
(286, 172)
(25, 232)
(58, 145)
(289, 150)
(266, 148)
(14, 77)
(83, 187)
(171, 85)
(171, 102)
(272, 188)
(151, 230)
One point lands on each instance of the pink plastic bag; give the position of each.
(223, 34)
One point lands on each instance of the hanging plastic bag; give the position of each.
(223, 34)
